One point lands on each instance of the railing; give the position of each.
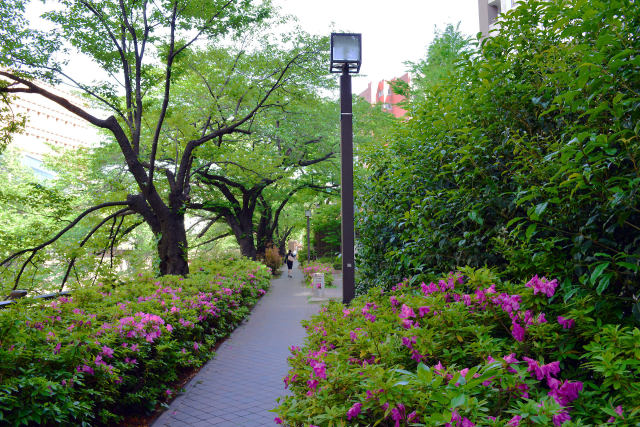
(7, 303)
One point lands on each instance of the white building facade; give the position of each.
(48, 124)
(488, 11)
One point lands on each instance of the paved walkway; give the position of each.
(239, 386)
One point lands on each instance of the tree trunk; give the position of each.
(264, 236)
(172, 246)
(242, 228)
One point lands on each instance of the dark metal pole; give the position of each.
(346, 151)
(308, 244)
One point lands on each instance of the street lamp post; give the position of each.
(346, 58)
(308, 215)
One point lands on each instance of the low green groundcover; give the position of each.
(466, 351)
(114, 350)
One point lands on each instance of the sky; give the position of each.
(392, 31)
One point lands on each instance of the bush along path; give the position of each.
(115, 350)
(240, 385)
(467, 350)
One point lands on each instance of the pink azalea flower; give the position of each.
(416, 356)
(560, 419)
(320, 369)
(406, 312)
(511, 358)
(567, 392)
(517, 331)
(428, 289)
(542, 286)
(397, 414)
(515, 421)
(86, 368)
(354, 411)
(424, 310)
(408, 342)
(618, 410)
(566, 323)
(278, 420)
(312, 384)
(107, 352)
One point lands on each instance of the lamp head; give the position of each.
(346, 52)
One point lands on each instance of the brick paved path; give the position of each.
(241, 383)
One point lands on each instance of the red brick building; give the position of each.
(384, 95)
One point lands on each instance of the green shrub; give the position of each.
(116, 349)
(272, 259)
(467, 347)
(326, 230)
(520, 153)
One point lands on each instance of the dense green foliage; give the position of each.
(523, 155)
(468, 350)
(117, 348)
(325, 230)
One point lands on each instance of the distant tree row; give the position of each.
(209, 114)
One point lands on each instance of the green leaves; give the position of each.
(523, 156)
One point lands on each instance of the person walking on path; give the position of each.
(290, 258)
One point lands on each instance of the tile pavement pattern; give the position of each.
(239, 386)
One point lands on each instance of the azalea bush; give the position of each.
(313, 267)
(117, 349)
(467, 350)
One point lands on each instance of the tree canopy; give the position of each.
(148, 50)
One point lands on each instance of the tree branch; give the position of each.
(211, 240)
(121, 212)
(35, 249)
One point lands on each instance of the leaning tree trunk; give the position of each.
(172, 246)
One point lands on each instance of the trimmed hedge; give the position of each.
(113, 350)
